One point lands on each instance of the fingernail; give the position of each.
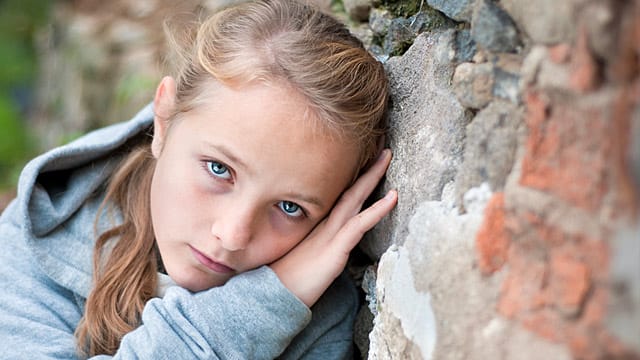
(383, 154)
(390, 195)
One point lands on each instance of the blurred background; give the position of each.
(20, 21)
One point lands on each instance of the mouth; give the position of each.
(210, 263)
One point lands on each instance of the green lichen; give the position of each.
(408, 19)
(437, 20)
(402, 8)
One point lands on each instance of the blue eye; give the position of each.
(218, 170)
(291, 209)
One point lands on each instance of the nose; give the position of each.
(234, 229)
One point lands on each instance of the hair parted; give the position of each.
(272, 41)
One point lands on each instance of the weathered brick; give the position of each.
(585, 73)
(566, 151)
(569, 282)
(546, 324)
(492, 241)
(522, 289)
(556, 285)
(560, 53)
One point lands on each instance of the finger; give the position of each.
(351, 201)
(353, 230)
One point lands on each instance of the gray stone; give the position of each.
(364, 33)
(397, 33)
(465, 47)
(358, 10)
(428, 19)
(369, 288)
(473, 84)
(506, 85)
(490, 148)
(427, 127)
(507, 77)
(544, 21)
(624, 304)
(459, 10)
(493, 29)
(379, 20)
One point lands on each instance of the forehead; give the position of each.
(272, 131)
(273, 113)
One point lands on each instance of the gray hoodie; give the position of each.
(46, 246)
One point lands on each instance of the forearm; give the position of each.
(252, 316)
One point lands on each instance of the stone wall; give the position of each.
(515, 127)
(516, 135)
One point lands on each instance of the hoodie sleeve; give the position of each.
(252, 317)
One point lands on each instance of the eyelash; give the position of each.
(206, 164)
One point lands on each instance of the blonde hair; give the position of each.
(279, 41)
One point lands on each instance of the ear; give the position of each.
(163, 108)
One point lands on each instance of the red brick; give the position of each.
(522, 290)
(567, 151)
(584, 71)
(569, 282)
(557, 285)
(492, 241)
(560, 53)
(581, 345)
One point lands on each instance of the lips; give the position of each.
(210, 263)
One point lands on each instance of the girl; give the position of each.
(222, 235)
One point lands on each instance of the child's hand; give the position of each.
(309, 269)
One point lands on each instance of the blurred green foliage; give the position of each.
(19, 22)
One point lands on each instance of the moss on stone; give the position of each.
(403, 8)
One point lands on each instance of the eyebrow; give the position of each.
(308, 199)
(238, 162)
(228, 154)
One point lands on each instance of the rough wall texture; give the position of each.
(515, 126)
(517, 234)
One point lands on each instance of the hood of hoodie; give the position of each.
(59, 193)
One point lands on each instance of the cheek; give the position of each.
(282, 235)
(175, 204)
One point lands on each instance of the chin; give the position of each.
(196, 282)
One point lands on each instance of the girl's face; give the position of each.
(239, 181)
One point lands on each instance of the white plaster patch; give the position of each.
(411, 307)
(435, 257)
